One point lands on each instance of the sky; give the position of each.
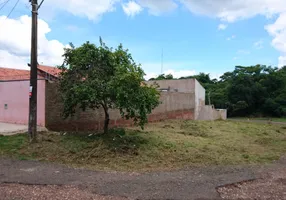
(187, 36)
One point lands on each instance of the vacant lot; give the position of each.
(269, 119)
(161, 146)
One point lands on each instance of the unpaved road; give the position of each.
(49, 192)
(272, 185)
(195, 183)
(12, 129)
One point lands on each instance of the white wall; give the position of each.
(208, 112)
(200, 94)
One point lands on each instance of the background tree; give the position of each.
(100, 77)
(162, 77)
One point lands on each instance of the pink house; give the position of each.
(14, 94)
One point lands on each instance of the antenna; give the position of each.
(162, 65)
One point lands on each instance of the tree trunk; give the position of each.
(106, 121)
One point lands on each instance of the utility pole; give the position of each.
(33, 73)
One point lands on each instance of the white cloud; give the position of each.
(180, 73)
(225, 10)
(233, 10)
(9, 60)
(258, 44)
(150, 75)
(231, 38)
(157, 7)
(176, 74)
(15, 47)
(215, 75)
(95, 9)
(278, 31)
(131, 8)
(282, 61)
(222, 27)
(92, 9)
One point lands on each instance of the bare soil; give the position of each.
(46, 192)
(271, 186)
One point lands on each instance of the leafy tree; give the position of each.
(162, 77)
(99, 77)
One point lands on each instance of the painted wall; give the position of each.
(175, 105)
(200, 94)
(14, 102)
(208, 112)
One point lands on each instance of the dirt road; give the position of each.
(195, 183)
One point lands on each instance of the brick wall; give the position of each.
(175, 105)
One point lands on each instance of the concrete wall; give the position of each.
(174, 105)
(14, 102)
(208, 112)
(200, 94)
(185, 86)
(181, 85)
(221, 114)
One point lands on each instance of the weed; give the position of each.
(165, 145)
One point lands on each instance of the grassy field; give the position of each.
(161, 146)
(273, 119)
(262, 119)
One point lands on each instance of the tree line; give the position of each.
(257, 91)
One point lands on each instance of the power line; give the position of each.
(4, 4)
(41, 4)
(12, 9)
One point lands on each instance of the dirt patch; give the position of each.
(271, 186)
(39, 192)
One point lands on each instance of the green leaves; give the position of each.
(98, 76)
(254, 90)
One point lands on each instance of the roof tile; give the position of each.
(14, 74)
(20, 74)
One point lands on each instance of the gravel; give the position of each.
(47, 192)
(271, 186)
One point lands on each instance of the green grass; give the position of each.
(161, 146)
(274, 119)
(263, 119)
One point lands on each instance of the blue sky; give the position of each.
(197, 39)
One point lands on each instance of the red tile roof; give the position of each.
(14, 74)
(51, 70)
(18, 74)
